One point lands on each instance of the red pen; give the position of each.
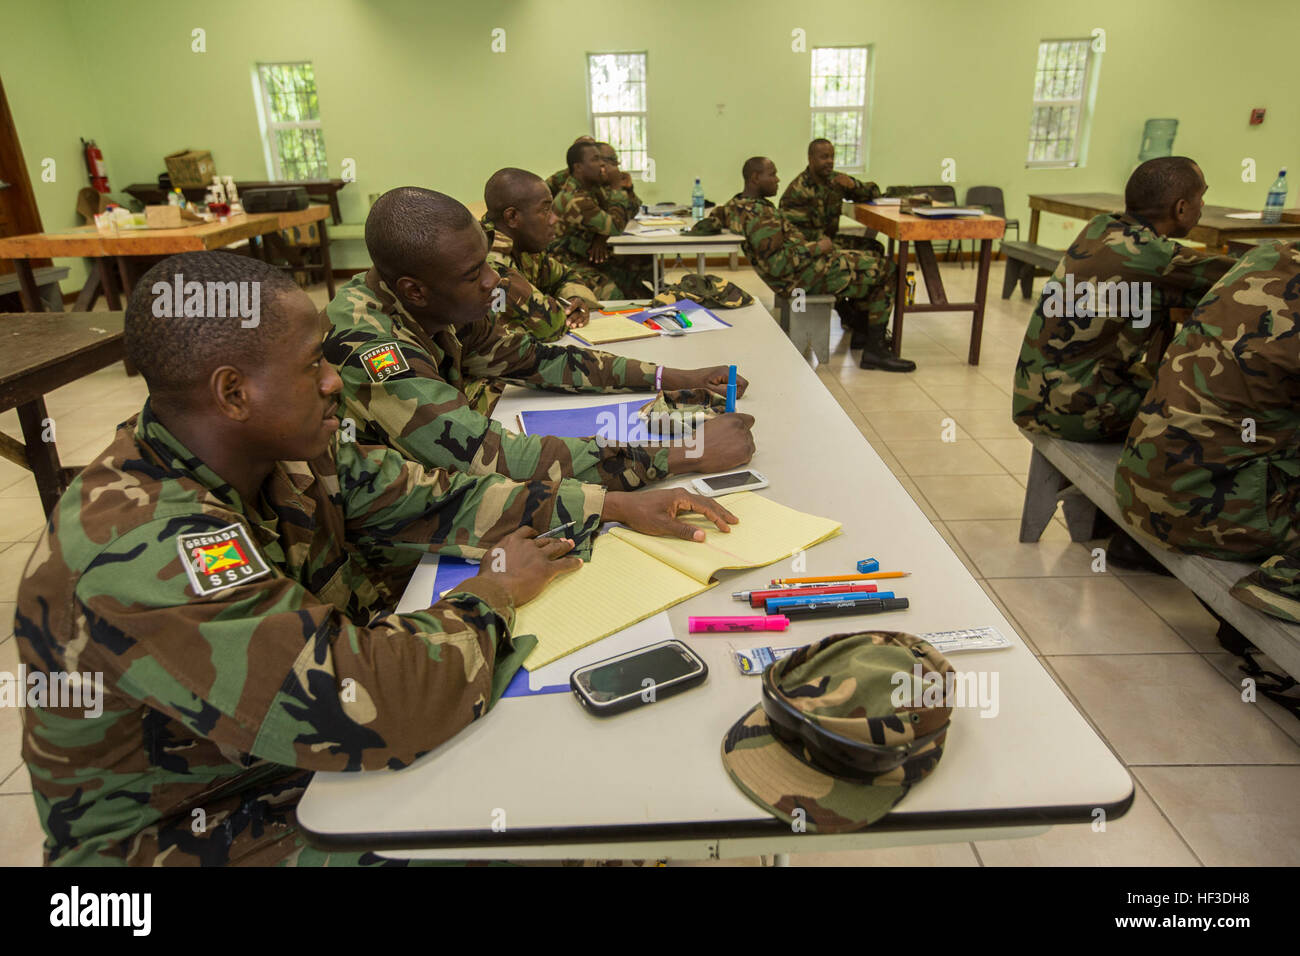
(650, 323)
(749, 622)
(756, 598)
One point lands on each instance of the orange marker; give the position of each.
(832, 578)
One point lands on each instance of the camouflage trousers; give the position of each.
(1245, 513)
(1076, 409)
(862, 283)
(618, 277)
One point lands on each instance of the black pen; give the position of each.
(561, 532)
(837, 608)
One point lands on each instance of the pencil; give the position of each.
(831, 578)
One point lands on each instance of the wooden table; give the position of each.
(87, 242)
(906, 228)
(1215, 229)
(650, 783)
(44, 351)
(326, 190)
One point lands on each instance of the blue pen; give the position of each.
(731, 388)
(775, 604)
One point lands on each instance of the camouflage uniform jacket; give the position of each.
(1212, 462)
(533, 280)
(584, 213)
(624, 204)
(815, 207)
(1081, 377)
(555, 182)
(402, 388)
(243, 645)
(777, 250)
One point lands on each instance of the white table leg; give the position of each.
(699, 263)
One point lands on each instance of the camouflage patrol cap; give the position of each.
(711, 291)
(842, 732)
(1274, 588)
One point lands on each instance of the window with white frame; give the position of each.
(839, 101)
(1061, 86)
(616, 95)
(290, 115)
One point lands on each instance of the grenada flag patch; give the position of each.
(216, 560)
(383, 362)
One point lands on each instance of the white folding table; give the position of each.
(539, 778)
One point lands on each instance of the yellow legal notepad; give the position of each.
(631, 575)
(611, 328)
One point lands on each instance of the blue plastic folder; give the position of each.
(619, 421)
(451, 572)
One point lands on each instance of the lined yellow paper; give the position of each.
(611, 328)
(767, 532)
(631, 575)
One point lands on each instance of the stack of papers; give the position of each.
(946, 212)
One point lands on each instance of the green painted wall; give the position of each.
(412, 92)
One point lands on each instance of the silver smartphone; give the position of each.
(715, 485)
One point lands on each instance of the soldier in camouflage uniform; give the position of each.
(587, 220)
(555, 182)
(227, 568)
(1083, 371)
(519, 223)
(812, 200)
(786, 262)
(1211, 464)
(410, 333)
(624, 203)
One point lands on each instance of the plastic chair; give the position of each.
(990, 197)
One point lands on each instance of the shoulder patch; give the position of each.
(383, 362)
(216, 560)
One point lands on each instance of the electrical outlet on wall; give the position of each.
(1256, 117)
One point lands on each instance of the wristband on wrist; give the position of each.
(659, 378)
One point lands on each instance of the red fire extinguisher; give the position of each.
(95, 166)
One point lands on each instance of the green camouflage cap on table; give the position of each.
(847, 685)
(710, 291)
(1274, 588)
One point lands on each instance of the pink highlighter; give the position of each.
(746, 622)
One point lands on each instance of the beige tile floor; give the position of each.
(1215, 777)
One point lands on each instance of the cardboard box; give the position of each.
(190, 167)
(169, 217)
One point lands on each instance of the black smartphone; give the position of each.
(639, 677)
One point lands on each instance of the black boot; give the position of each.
(876, 354)
(852, 322)
(1126, 554)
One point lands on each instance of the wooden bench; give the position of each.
(47, 281)
(1024, 261)
(1090, 471)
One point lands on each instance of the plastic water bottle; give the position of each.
(1276, 199)
(697, 201)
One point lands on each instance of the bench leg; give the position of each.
(1009, 277)
(1041, 489)
(1080, 515)
(1027, 281)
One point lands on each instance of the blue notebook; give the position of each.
(617, 422)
